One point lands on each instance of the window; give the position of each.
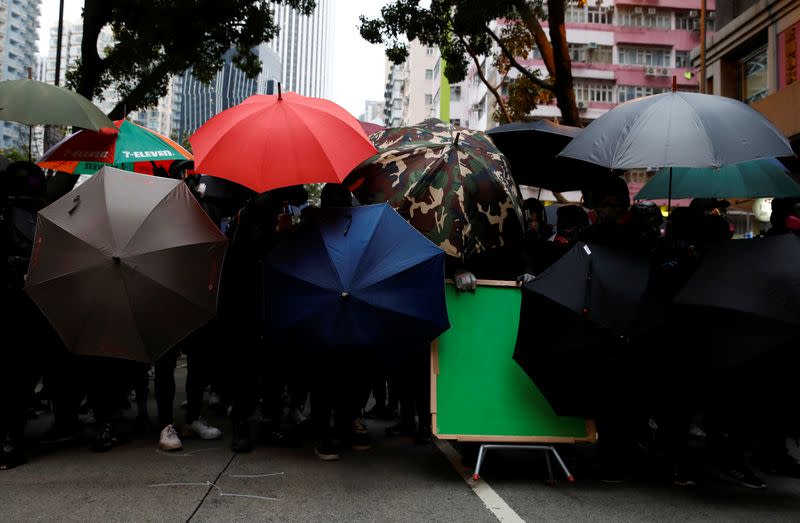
(626, 93)
(429, 51)
(754, 76)
(598, 15)
(429, 74)
(590, 53)
(684, 22)
(428, 99)
(575, 15)
(594, 92)
(455, 93)
(652, 56)
(644, 17)
(683, 59)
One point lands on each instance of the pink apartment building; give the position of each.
(621, 50)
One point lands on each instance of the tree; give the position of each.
(461, 30)
(154, 40)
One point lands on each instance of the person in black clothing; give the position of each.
(22, 195)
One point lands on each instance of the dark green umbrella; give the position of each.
(754, 179)
(452, 184)
(37, 103)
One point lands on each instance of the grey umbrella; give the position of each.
(678, 129)
(125, 265)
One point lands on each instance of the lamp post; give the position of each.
(702, 46)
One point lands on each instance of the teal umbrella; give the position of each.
(754, 179)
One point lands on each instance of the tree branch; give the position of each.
(134, 98)
(530, 20)
(544, 84)
(485, 81)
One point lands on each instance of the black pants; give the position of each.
(413, 384)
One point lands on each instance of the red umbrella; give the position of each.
(269, 141)
(371, 128)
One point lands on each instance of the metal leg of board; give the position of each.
(548, 450)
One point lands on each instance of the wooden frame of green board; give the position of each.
(484, 396)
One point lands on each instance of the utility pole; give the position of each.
(53, 134)
(703, 81)
(58, 40)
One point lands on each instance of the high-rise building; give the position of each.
(373, 112)
(199, 102)
(305, 48)
(754, 56)
(19, 29)
(410, 95)
(620, 50)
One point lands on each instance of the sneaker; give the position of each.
(743, 476)
(424, 436)
(201, 429)
(296, 417)
(169, 439)
(359, 437)
(11, 456)
(105, 439)
(327, 451)
(681, 478)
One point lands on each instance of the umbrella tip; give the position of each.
(674, 84)
(116, 260)
(458, 135)
(280, 95)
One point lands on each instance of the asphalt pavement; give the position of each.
(393, 481)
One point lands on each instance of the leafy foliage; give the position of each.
(155, 39)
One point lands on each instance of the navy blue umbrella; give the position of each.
(355, 276)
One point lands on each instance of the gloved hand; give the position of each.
(465, 281)
(525, 278)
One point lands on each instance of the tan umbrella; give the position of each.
(126, 265)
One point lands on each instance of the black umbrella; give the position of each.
(576, 320)
(741, 304)
(531, 149)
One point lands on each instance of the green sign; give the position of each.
(479, 391)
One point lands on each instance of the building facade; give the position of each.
(620, 50)
(373, 112)
(19, 30)
(753, 57)
(193, 102)
(411, 93)
(304, 47)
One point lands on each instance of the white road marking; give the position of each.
(497, 505)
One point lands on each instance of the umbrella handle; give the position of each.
(77, 202)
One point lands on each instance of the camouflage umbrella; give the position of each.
(452, 184)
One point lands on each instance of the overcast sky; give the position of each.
(357, 65)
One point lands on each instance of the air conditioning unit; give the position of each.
(581, 106)
(650, 71)
(592, 45)
(693, 14)
(638, 10)
(710, 15)
(663, 71)
(696, 24)
(651, 10)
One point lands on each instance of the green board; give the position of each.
(479, 391)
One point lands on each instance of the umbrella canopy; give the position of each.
(271, 141)
(575, 321)
(743, 301)
(358, 276)
(754, 179)
(371, 128)
(450, 183)
(531, 149)
(678, 129)
(131, 148)
(125, 265)
(36, 103)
